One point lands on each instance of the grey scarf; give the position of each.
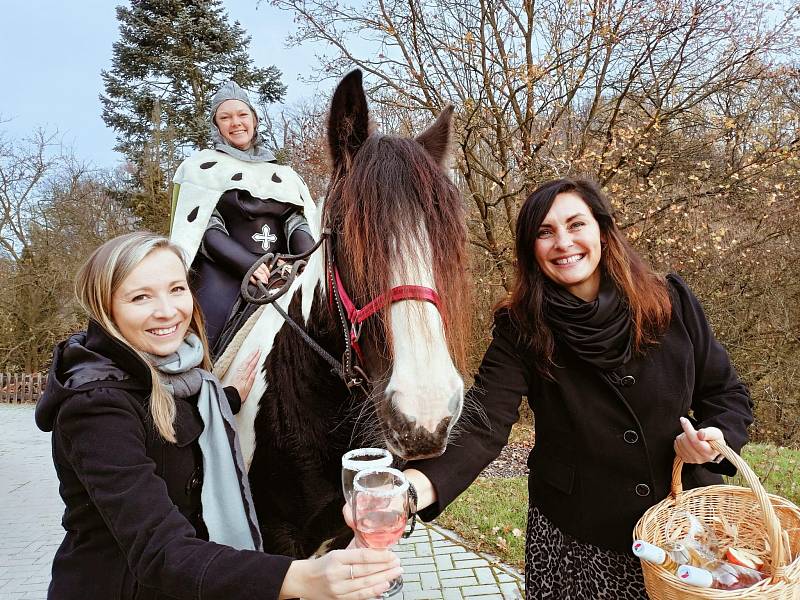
(228, 509)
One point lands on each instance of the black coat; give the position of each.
(133, 515)
(603, 453)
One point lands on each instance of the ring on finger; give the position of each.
(351, 572)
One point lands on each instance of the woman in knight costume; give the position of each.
(230, 206)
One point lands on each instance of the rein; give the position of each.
(298, 261)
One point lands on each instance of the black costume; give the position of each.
(604, 439)
(241, 230)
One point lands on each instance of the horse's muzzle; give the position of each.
(409, 441)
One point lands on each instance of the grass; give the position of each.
(491, 514)
(778, 468)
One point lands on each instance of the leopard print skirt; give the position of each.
(559, 567)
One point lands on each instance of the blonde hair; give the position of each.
(95, 284)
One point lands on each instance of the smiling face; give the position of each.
(152, 307)
(568, 246)
(236, 123)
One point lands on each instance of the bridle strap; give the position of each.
(357, 316)
(351, 375)
(396, 294)
(354, 376)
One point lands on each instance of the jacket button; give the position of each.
(630, 436)
(627, 381)
(642, 489)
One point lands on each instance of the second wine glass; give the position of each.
(380, 511)
(358, 460)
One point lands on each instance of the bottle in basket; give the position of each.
(677, 555)
(719, 575)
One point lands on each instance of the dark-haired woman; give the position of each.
(621, 370)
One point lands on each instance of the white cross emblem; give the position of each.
(266, 237)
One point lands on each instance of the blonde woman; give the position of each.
(157, 503)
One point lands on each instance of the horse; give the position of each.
(394, 233)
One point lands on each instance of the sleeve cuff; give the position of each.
(233, 398)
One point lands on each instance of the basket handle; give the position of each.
(774, 530)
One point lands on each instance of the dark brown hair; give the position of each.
(394, 185)
(644, 290)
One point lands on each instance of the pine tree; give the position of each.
(177, 52)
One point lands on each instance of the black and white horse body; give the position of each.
(300, 417)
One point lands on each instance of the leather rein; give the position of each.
(349, 369)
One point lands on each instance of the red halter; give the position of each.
(357, 316)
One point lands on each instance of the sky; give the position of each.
(52, 53)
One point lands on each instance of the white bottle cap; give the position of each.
(649, 552)
(695, 576)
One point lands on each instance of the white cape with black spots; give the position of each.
(205, 176)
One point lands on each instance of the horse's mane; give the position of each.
(375, 210)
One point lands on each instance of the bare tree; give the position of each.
(552, 88)
(685, 111)
(55, 211)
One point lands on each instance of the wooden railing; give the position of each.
(17, 388)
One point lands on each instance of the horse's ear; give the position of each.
(348, 122)
(436, 138)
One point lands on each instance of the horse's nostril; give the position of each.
(454, 406)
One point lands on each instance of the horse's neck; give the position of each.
(305, 396)
(299, 376)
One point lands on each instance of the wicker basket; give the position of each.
(750, 519)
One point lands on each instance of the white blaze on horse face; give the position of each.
(425, 385)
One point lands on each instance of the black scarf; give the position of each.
(599, 332)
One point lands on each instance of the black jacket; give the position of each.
(604, 451)
(133, 516)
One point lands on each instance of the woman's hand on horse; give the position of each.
(692, 445)
(343, 574)
(246, 375)
(261, 274)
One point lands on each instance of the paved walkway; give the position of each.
(436, 565)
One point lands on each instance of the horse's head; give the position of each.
(398, 220)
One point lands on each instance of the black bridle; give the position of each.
(347, 369)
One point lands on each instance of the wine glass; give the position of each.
(359, 459)
(380, 511)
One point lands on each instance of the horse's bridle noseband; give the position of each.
(351, 318)
(357, 316)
